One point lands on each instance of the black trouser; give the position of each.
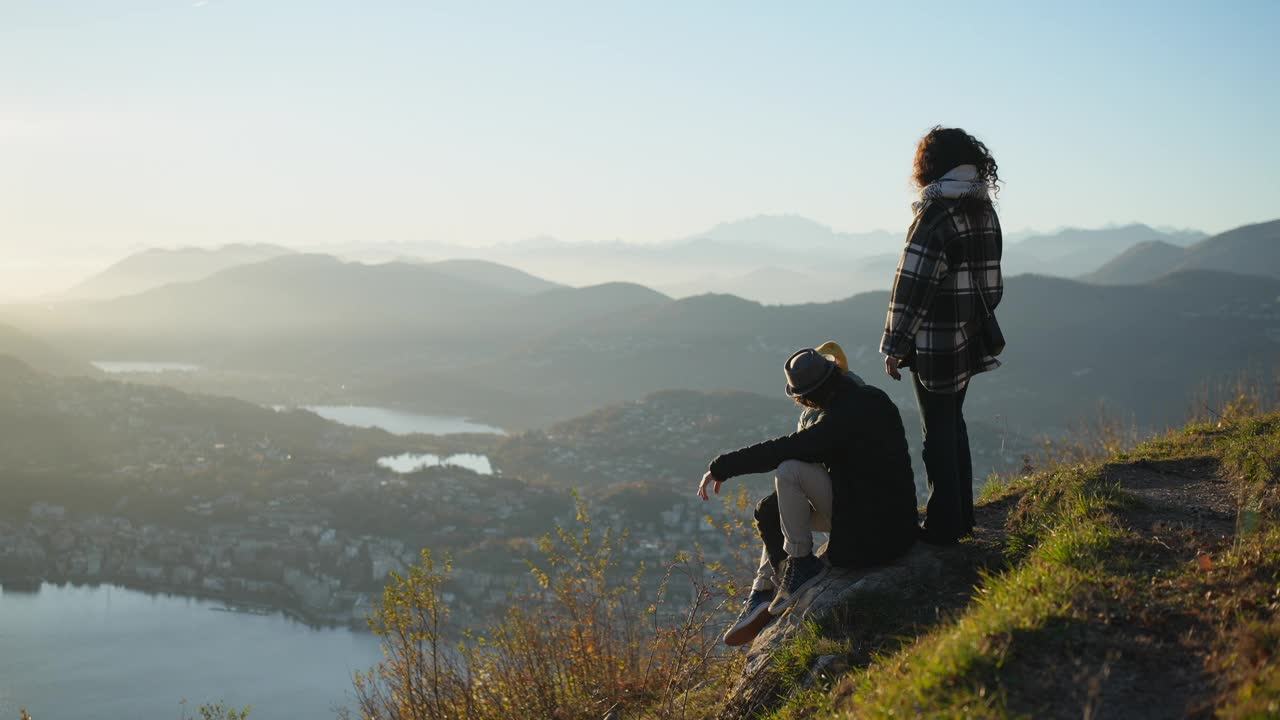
(949, 513)
(769, 523)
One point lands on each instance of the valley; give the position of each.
(613, 391)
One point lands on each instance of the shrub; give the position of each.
(584, 641)
(214, 711)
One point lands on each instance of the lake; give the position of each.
(114, 366)
(107, 652)
(412, 462)
(398, 422)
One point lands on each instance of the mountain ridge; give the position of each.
(1246, 250)
(154, 267)
(1071, 252)
(772, 258)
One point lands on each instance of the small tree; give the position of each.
(420, 677)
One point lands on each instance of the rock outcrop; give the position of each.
(838, 603)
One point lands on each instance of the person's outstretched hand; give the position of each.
(891, 367)
(707, 479)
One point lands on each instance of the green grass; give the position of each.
(791, 668)
(950, 672)
(1249, 657)
(1247, 578)
(793, 660)
(997, 488)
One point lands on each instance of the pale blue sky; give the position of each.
(136, 122)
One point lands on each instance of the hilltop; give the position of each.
(1143, 585)
(1139, 583)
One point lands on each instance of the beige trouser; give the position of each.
(804, 506)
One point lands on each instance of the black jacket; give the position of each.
(859, 438)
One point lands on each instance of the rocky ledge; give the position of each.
(864, 612)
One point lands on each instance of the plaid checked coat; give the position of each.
(935, 314)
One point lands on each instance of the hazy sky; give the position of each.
(138, 122)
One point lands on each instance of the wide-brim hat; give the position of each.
(806, 370)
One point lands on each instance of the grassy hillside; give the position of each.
(1145, 585)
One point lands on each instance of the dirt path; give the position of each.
(1137, 644)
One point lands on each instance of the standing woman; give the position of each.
(940, 322)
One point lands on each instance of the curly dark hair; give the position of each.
(942, 149)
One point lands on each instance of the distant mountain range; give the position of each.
(791, 232)
(1072, 251)
(1249, 250)
(774, 259)
(336, 314)
(789, 259)
(153, 268)
(487, 341)
(302, 292)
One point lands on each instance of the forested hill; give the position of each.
(1143, 351)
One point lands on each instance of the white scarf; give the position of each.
(959, 181)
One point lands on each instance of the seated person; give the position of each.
(847, 472)
(768, 522)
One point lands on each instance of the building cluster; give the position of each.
(291, 555)
(213, 498)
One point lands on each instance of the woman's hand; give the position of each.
(891, 367)
(707, 479)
